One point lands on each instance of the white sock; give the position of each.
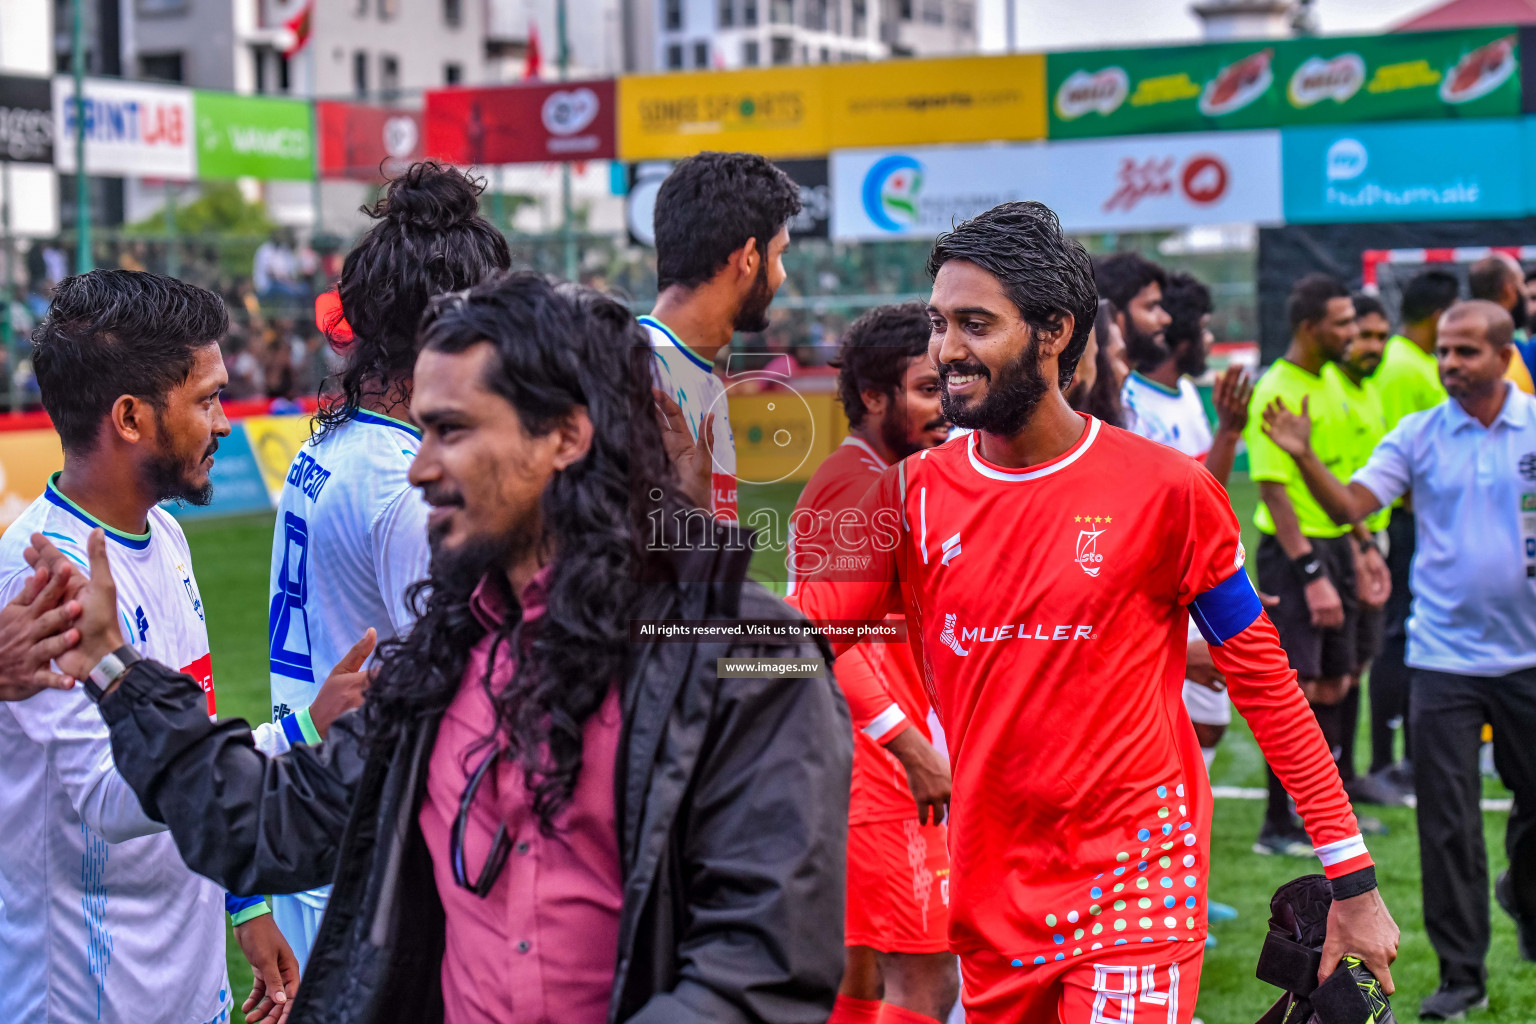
(1209, 753)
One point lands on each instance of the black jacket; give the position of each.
(732, 808)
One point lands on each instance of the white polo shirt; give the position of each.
(1474, 501)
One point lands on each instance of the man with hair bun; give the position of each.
(899, 965)
(351, 531)
(1047, 565)
(722, 226)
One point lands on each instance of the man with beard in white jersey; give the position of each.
(722, 225)
(102, 920)
(351, 532)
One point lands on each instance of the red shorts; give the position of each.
(898, 887)
(1156, 984)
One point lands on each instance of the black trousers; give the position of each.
(1389, 676)
(1448, 715)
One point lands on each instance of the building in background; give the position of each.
(1254, 19)
(673, 35)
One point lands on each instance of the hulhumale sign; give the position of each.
(131, 129)
(1437, 171)
(253, 136)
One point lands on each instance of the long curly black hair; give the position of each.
(558, 347)
(429, 239)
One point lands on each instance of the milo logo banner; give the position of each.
(1471, 73)
(1161, 89)
(1274, 83)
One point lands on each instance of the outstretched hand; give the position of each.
(1231, 396)
(693, 457)
(274, 971)
(97, 623)
(1291, 432)
(36, 628)
(345, 687)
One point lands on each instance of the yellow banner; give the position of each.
(776, 113)
(275, 440)
(950, 99)
(27, 459)
(783, 434)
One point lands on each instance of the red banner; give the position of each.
(519, 124)
(367, 143)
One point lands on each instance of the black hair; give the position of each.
(709, 206)
(1365, 305)
(111, 333)
(1103, 399)
(429, 239)
(557, 347)
(1186, 301)
(875, 351)
(1121, 276)
(1310, 296)
(1428, 294)
(1486, 277)
(1046, 274)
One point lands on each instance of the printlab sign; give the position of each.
(131, 129)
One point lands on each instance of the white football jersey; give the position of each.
(350, 538)
(683, 374)
(101, 919)
(1176, 419)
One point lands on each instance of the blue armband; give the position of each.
(1227, 609)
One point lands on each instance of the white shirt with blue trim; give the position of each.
(1474, 503)
(102, 921)
(691, 382)
(1173, 418)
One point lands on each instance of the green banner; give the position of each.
(1471, 73)
(1267, 84)
(1163, 89)
(253, 136)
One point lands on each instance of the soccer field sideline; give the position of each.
(232, 558)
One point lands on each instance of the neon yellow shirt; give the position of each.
(1408, 380)
(1330, 440)
(1367, 425)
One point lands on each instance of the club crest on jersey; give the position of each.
(186, 582)
(1092, 528)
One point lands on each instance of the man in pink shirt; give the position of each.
(543, 812)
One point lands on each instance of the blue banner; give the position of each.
(1415, 170)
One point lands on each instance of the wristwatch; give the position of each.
(108, 671)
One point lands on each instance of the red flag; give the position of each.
(534, 63)
(300, 25)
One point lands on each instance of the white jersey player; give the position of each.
(349, 540)
(1177, 419)
(690, 381)
(102, 921)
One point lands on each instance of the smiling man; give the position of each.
(1054, 642)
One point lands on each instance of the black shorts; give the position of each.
(1313, 653)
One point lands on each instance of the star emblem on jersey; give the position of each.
(1091, 528)
(948, 638)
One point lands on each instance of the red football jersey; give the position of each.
(1049, 607)
(885, 692)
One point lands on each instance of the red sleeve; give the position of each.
(875, 710)
(863, 584)
(1246, 648)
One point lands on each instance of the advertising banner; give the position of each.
(925, 102)
(1424, 171)
(27, 459)
(131, 129)
(781, 112)
(517, 124)
(1471, 73)
(1161, 89)
(26, 119)
(1125, 184)
(365, 142)
(811, 175)
(253, 136)
(274, 440)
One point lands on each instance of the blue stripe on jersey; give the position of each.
(234, 904)
(64, 551)
(1227, 609)
(693, 356)
(364, 416)
(137, 541)
(290, 724)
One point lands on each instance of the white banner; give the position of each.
(131, 129)
(1131, 183)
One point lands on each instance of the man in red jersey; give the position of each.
(899, 967)
(1053, 644)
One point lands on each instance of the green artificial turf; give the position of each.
(232, 556)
